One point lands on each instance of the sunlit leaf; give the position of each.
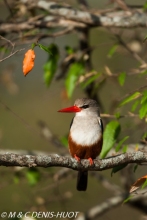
(118, 168)
(134, 106)
(91, 79)
(120, 143)
(143, 109)
(144, 72)
(125, 148)
(127, 199)
(111, 133)
(144, 97)
(144, 135)
(121, 78)
(138, 183)
(145, 8)
(46, 48)
(64, 141)
(145, 183)
(117, 115)
(112, 51)
(130, 98)
(33, 45)
(75, 70)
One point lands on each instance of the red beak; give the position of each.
(71, 109)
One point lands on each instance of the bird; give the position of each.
(85, 137)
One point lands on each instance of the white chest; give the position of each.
(85, 132)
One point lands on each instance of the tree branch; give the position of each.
(115, 19)
(10, 159)
(103, 207)
(66, 16)
(139, 202)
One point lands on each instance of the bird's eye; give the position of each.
(85, 106)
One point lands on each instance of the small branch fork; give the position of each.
(10, 159)
(12, 51)
(10, 55)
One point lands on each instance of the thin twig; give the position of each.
(9, 8)
(100, 209)
(134, 54)
(10, 42)
(130, 93)
(18, 117)
(11, 54)
(57, 34)
(131, 115)
(122, 5)
(44, 131)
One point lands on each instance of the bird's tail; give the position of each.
(82, 180)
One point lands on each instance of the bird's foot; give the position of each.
(90, 161)
(77, 158)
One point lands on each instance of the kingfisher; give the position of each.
(85, 137)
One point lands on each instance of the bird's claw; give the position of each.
(77, 158)
(90, 161)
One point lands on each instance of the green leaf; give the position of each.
(144, 97)
(33, 176)
(64, 141)
(144, 136)
(144, 72)
(124, 150)
(47, 49)
(33, 45)
(69, 50)
(145, 7)
(111, 133)
(121, 78)
(50, 66)
(91, 79)
(120, 143)
(144, 184)
(130, 98)
(117, 115)
(112, 51)
(75, 70)
(143, 109)
(118, 168)
(134, 106)
(127, 199)
(49, 70)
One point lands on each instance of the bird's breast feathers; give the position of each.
(85, 132)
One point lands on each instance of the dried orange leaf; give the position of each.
(28, 62)
(138, 183)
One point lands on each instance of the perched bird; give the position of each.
(86, 135)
